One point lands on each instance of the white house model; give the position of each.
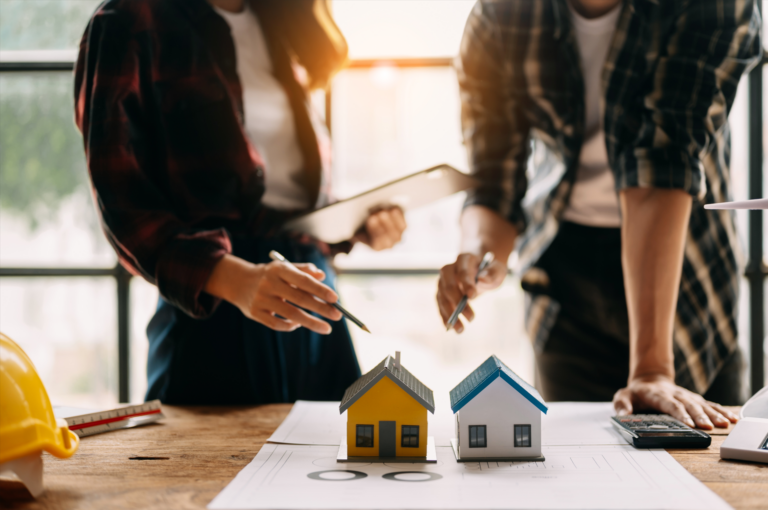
(498, 415)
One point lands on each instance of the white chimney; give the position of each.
(397, 360)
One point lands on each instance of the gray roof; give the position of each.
(485, 374)
(401, 377)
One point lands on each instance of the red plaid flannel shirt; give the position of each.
(159, 104)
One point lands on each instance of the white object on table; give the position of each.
(578, 477)
(85, 422)
(749, 438)
(756, 204)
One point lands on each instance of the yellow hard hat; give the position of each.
(27, 423)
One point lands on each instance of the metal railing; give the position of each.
(755, 273)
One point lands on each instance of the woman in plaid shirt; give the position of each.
(631, 285)
(200, 144)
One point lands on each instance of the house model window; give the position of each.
(364, 436)
(410, 436)
(477, 436)
(523, 436)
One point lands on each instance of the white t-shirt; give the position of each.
(593, 199)
(268, 116)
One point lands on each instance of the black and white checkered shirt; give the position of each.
(668, 83)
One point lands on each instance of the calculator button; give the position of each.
(658, 426)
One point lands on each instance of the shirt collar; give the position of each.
(561, 13)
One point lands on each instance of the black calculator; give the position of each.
(659, 431)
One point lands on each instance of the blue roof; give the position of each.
(485, 374)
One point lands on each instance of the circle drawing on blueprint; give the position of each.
(412, 476)
(406, 464)
(331, 462)
(336, 475)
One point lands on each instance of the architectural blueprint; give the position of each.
(573, 477)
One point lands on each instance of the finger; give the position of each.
(374, 227)
(273, 322)
(718, 418)
(306, 283)
(389, 235)
(298, 316)
(732, 417)
(492, 276)
(398, 217)
(622, 403)
(468, 312)
(394, 232)
(311, 270)
(447, 307)
(444, 303)
(696, 412)
(306, 301)
(676, 409)
(466, 269)
(448, 284)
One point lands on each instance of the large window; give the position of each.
(82, 318)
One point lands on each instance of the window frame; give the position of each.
(485, 436)
(358, 436)
(522, 428)
(410, 436)
(755, 273)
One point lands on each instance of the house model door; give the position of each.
(387, 439)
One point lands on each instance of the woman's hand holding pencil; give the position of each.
(276, 294)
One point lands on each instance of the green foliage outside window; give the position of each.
(43, 24)
(41, 152)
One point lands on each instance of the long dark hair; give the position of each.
(309, 35)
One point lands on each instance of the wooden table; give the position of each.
(185, 461)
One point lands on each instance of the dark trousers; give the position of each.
(586, 355)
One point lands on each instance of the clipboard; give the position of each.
(340, 221)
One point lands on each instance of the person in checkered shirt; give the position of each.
(598, 130)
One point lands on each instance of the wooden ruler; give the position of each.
(114, 419)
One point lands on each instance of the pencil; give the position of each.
(277, 256)
(487, 259)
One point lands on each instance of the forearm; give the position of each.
(483, 230)
(226, 277)
(653, 232)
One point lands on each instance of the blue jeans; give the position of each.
(229, 359)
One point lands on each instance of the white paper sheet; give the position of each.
(572, 477)
(566, 423)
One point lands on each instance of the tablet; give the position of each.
(340, 221)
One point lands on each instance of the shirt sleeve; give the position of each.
(495, 128)
(138, 220)
(689, 95)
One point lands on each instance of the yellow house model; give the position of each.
(387, 414)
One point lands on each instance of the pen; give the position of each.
(487, 259)
(278, 257)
